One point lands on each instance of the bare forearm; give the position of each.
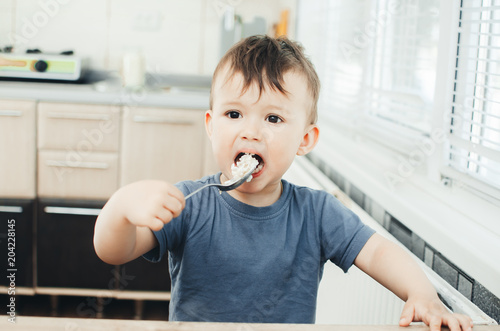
(391, 266)
(114, 236)
(395, 269)
(116, 239)
(124, 228)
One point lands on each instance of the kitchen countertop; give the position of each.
(76, 324)
(175, 92)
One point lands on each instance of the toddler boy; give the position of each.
(256, 254)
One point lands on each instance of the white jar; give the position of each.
(133, 71)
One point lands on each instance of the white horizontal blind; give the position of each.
(343, 70)
(475, 114)
(377, 64)
(402, 65)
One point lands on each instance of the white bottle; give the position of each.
(133, 70)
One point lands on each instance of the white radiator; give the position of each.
(355, 298)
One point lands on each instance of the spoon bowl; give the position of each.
(228, 185)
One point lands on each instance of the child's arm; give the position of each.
(392, 267)
(123, 228)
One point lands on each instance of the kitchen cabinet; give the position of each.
(63, 155)
(17, 215)
(17, 148)
(65, 250)
(95, 177)
(78, 148)
(61, 161)
(66, 257)
(164, 144)
(79, 127)
(17, 189)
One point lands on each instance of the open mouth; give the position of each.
(255, 156)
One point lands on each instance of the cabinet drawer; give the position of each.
(164, 144)
(72, 175)
(17, 149)
(78, 127)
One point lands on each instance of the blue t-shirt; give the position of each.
(232, 262)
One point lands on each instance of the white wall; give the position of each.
(181, 37)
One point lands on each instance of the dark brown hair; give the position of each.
(264, 60)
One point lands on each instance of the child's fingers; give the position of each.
(407, 314)
(173, 205)
(460, 322)
(177, 194)
(466, 322)
(435, 323)
(163, 214)
(156, 224)
(165, 211)
(453, 323)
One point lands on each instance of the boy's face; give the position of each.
(274, 126)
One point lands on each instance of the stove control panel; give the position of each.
(35, 65)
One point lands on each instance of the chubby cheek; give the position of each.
(221, 149)
(283, 154)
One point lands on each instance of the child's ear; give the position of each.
(208, 123)
(309, 140)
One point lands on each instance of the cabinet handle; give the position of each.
(72, 211)
(11, 209)
(79, 116)
(153, 119)
(11, 113)
(85, 165)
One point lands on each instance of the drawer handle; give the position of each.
(11, 209)
(72, 211)
(85, 165)
(79, 116)
(152, 119)
(11, 113)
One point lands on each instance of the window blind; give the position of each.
(474, 140)
(378, 65)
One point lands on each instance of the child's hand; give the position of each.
(150, 203)
(434, 314)
(394, 268)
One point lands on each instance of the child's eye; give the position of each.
(274, 119)
(233, 114)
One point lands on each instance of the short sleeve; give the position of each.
(169, 238)
(343, 234)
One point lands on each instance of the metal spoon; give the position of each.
(229, 185)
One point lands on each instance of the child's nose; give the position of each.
(251, 131)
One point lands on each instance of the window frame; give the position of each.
(454, 219)
(448, 58)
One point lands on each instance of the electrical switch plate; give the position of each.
(147, 21)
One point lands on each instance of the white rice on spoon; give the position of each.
(242, 166)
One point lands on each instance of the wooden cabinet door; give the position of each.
(16, 241)
(17, 149)
(165, 144)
